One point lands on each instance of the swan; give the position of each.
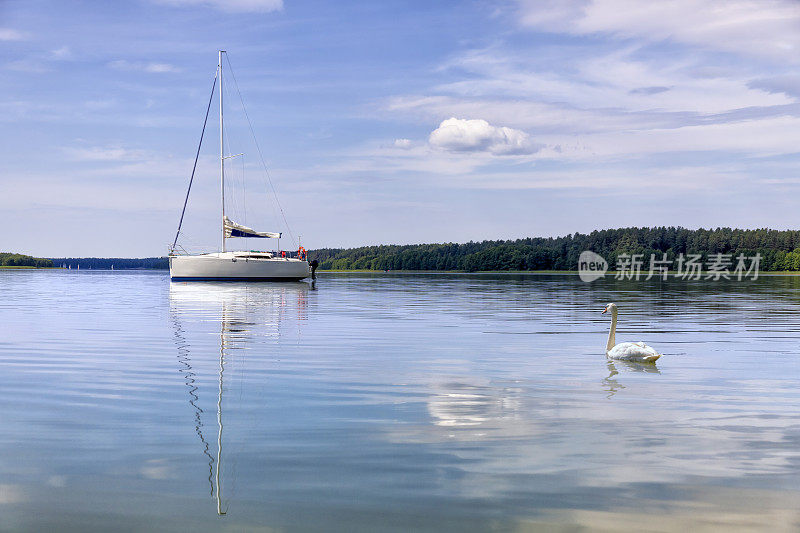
(637, 352)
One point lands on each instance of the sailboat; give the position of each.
(233, 265)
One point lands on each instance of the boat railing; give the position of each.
(294, 254)
(278, 254)
(178, 250)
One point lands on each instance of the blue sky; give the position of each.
(396, 122)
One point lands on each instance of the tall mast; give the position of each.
(221, 150)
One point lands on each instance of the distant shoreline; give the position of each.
(608, 274)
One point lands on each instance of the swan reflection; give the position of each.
(610, 383)
(242, 313)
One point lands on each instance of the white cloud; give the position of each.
(405, 144)
(27, 65)
(110, 179)
(160, 67)
(611, 109)
(601, 135)
(612, 179)
(617, 79)
(476, 135)
(419, 158)
(156, 68)
(62, 53)
(7, 34)
(39, 63)
(100, 104)
(612, 162)
(765, 137)
(97, 153)
(614, 98)
(525, 114)
(752, 27)
(231, 6)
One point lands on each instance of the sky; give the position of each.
(394, 121)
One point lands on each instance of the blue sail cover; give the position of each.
(240, 233)
(232, 229)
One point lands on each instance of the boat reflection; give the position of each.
(245, 312)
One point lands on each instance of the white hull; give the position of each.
(236, 266)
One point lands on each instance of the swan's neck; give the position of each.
(612, 331)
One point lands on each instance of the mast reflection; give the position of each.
(245, 312)
(184, 358)
(219, 414)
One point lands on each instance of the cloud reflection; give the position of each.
(10, 494)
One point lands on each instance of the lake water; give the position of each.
(393, 402)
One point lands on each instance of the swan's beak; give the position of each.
(604, 311)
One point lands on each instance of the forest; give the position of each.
(779, 250)
(9, 259)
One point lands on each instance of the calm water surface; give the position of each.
(395, 403)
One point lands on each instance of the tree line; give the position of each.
(105, 263)
(9, 259)
(779, 250)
